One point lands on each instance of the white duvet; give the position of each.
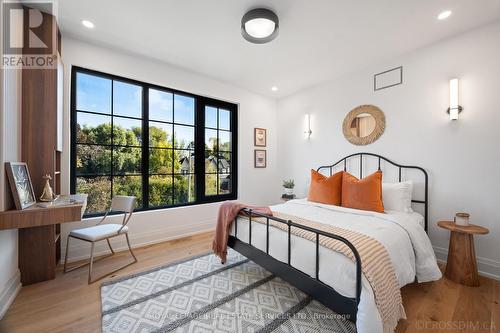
(402, 234)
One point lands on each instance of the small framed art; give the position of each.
(260, 137)
(260, 158)
(20, 184)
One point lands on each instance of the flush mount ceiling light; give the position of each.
(260, 25)
(444, 15)
(274, 88)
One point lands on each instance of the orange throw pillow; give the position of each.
(327, 190)
(365, 194)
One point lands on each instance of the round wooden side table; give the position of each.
(461, 266)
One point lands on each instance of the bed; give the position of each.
(331, 277)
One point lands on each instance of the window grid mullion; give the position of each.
(169, 123)
(110, 146)
(199, 150)
(112, 139)
(172, 152)
(217, 153)
(145, 147)
(94, 175)
(108, 114)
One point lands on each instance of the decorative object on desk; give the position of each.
(20, 184)
(462, 219)
(260, 137)
(48, 194)
(288, 185)
(260, 158)
(364, 125)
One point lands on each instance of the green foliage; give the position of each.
(159, 138)
(210, 184)
(184, 189)
(100, 134)
(160, 191)
(95, 160)
(98, 189)
(211, 147)
(288, 183)
(128, 185)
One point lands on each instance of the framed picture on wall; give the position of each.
(20, 184)
(260, 158)
(260, 137)
(387, 79)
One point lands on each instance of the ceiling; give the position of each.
(318, 41)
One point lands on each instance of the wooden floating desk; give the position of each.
(39, 237)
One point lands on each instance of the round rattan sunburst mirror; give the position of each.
(363, 125)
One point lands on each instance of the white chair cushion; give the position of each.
(98, 232)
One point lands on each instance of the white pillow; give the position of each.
(397, 196)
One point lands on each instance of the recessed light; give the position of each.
(88, 24)
(444, 15)
(274, 88)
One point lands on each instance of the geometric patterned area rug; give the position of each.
(202, 295)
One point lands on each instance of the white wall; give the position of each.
(462, 157)
(10, 141)
(254, 111)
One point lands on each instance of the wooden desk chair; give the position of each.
(101, 232)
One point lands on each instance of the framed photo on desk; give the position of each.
(20, 184)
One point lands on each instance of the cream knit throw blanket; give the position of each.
(375, 263)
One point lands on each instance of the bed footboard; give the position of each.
(313, 286)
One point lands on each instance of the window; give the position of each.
(217, 151)
(166, 147)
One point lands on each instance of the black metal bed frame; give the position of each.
(313, 286)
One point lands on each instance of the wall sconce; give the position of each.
(307, 126)
(454, 108)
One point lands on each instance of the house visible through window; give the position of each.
(166, 147)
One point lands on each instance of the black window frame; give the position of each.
(199, 128)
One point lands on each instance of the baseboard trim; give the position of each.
(8, 295)
(142, 240)
(486, 267)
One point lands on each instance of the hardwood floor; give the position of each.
(68, 304)
(445, 306)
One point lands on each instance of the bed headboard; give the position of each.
(380, 161)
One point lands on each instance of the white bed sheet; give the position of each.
(402, 234)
